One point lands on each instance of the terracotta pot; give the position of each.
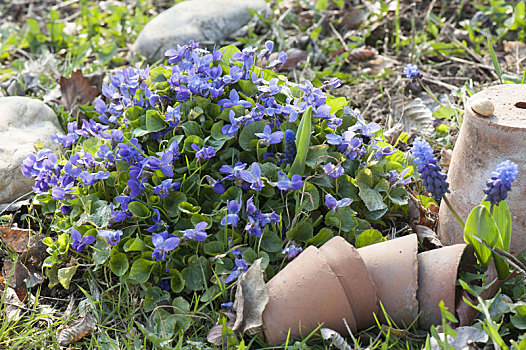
(437, 277)
(483, 143)
(393, 267)
(352, 273)
(306, 293)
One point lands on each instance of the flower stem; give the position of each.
(459, 219)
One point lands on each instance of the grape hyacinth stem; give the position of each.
(455, 214)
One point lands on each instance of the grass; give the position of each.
(83, 35)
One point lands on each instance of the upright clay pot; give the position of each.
(348, 265)
(305, 293)
(437, 277)
(482, 144)
(393, 267)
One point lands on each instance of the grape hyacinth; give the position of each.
(500, 182)
(433, 179)
(290, 147)
(411, 71)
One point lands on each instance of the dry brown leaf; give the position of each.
(465, 336)
(77, 90)
(362, 54)
(78, 330)
(215, 334)
(427, 237)
(17, 275)
(352, 19)
(15, 238)
(251, 299)
(12, 304)
(294, 57)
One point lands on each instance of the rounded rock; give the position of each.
(483, 107)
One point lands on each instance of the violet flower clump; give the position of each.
(433, 179)
(500, 182)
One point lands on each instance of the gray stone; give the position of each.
(198, 20)
(23, 123)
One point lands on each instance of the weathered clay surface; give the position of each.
(437, 276)
(348, 265)
(305, 292)
(23, 122)
(198, 20)
(483, 143)
(393, 267)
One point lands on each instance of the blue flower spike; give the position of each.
(500, 182)
(433, 179)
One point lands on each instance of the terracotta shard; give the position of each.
(484, 142)
(307, 293)
(437, 276)
(348, 265)
(393, 267)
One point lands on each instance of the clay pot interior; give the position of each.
(437, 276)
(393, 267)
(352, 273)
(307, 293)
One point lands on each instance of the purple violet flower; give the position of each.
(286, 184)
(233, 100)
(241, 266)
(112, 236)
(197, 233)
(292, 251)
(231, 129)
(233, 209)
(79, 242)
(334, 204)
(163, 242)
(333, 171)
(268, 137)
(163, 189)
(203, 153)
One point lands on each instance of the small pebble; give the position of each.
(483, 107)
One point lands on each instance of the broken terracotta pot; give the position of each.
(437, 276)
(393, 267)
(306, 293)
(352, 273)
(482, 144)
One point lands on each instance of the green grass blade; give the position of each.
(494, 60)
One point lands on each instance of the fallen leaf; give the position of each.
(78, 330)
(215, 334)
(251, 299)
(12, 304)
(16, 274)
(336, 339)
(361, 54)
(392, 134)
(16, 238)
(294, 58)
(427, 237)
(465, 337)
(77, 90)
(352, 19)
